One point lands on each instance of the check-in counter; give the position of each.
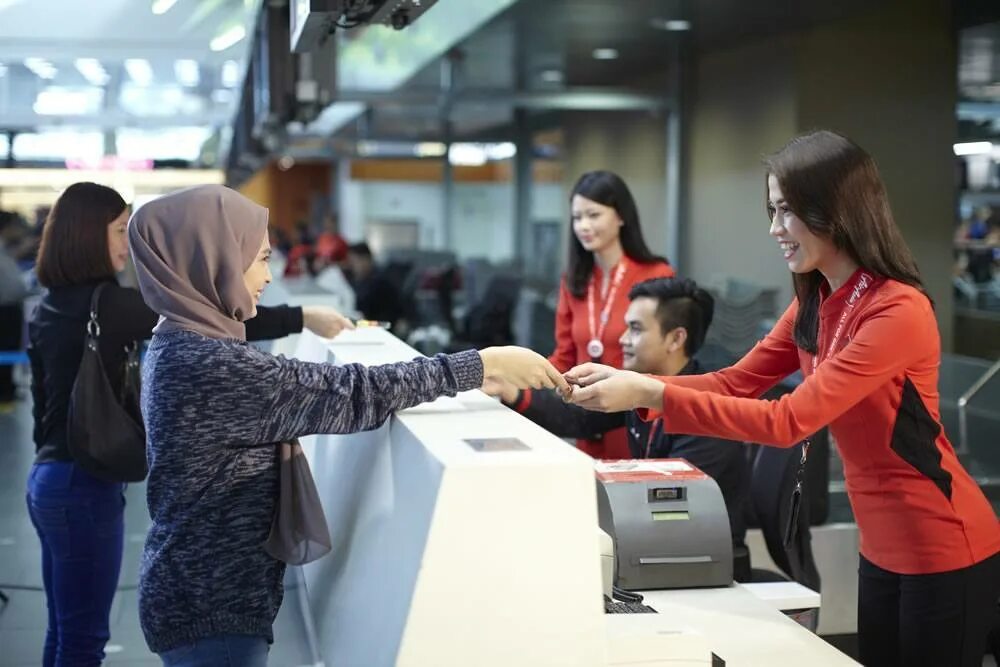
(464, 534)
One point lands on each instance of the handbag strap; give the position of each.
(93, 326)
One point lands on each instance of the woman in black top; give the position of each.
(79, 518)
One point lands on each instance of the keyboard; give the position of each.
(627, 608)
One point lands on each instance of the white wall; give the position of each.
(482, 213)
(631, 144)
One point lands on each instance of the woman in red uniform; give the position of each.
(607, 256)
(863, 332)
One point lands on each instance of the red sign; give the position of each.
(646, 470)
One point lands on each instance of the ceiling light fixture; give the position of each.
(162, 6)
(671, 25)
(973, 148)
(41, 67)
(605, 54)
(228, 38)
(230, 74)
(430, 149)
(139, 70)
(187, 72)
(92, 71)
(3, 69)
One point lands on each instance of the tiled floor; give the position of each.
(23, 620)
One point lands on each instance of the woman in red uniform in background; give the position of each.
(607, 256)
(863, 332)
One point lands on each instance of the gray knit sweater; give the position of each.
(213, 409)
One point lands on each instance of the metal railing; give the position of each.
(963, 401)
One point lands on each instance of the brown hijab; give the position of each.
(191, 249)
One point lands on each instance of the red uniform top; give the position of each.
(573, 332)
(918, 510)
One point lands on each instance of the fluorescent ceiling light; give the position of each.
(163, 6)
(224, 40)
(501, 151)
(605, 54)
(430, 149)
(673, 25)
(41, 67)
(974, 148)
(187, 72)
(139, 70)
(58, 101)
(3, 69)
(230, 74)
(93, 71)
(466, 155)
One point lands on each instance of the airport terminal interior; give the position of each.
(419, 160)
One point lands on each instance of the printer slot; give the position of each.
(673, 560)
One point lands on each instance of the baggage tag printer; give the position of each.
(668, 523)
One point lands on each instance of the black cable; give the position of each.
(624, 595)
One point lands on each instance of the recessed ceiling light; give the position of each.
(163, 6)
(673, 25)
(186, 71)
(93, 71)
(230, 74)
(224, 40)
(605, 54)
(973, 148)
(139, 70)
(41, 67)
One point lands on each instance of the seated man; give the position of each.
(666, 323)
(375, 295)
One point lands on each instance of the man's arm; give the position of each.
(549, 411)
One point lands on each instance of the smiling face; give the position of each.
(595, 225)
(257, 277)
(646, 348)
(802, 250)
(118, 242)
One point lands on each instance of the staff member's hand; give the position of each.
(324, 321)
(620, 391)
(589, 373)
(522, 368)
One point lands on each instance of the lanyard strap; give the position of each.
(657, 423)
(595, 332)
(864, 281)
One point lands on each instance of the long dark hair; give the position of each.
(608, 189)
(834, 187)
(74, 247)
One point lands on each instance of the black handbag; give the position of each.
(105, 434)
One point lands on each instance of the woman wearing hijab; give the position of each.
(215, 409)
(78, 517)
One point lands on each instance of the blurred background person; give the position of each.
(607, 256)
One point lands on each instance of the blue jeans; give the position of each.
(220, 651)
(80, 522)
